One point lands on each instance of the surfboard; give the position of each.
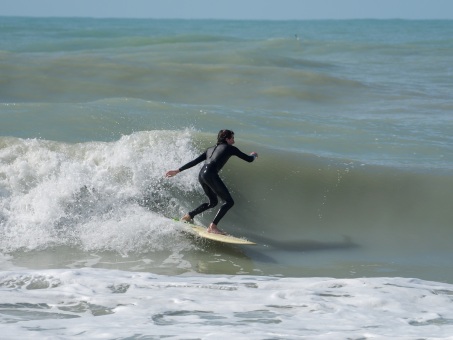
(200, 231)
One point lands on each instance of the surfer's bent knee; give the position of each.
(212, 204)
(229, 203)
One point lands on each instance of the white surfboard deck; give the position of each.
(203, 232)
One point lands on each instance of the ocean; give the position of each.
(350, 200)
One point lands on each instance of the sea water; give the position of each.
(349, 200)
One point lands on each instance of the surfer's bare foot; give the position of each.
(214, 230)
(186, 218)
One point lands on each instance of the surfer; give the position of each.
(215, 158)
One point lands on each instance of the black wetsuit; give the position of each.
(215, 158)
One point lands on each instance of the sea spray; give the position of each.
(90, 194)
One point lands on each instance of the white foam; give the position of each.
(115, 304)
(94, 195)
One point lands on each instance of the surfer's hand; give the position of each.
(171, 173)
(254, 154)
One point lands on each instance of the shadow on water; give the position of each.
(259, 252)
(308, 245)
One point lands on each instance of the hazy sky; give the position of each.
(232, 9)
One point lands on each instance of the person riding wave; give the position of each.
(215, 158)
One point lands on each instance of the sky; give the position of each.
(232, 9)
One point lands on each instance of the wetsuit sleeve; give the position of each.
(241, 155)
(196, 161)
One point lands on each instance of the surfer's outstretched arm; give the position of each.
(196, 161)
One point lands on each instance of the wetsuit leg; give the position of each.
(213, 201)
(217, 185)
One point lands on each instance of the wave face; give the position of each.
(112, 196)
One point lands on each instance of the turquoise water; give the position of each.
(371, 91)
(351, 119)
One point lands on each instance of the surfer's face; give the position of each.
(230, 141)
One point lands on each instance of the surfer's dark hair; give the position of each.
(224, 135)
